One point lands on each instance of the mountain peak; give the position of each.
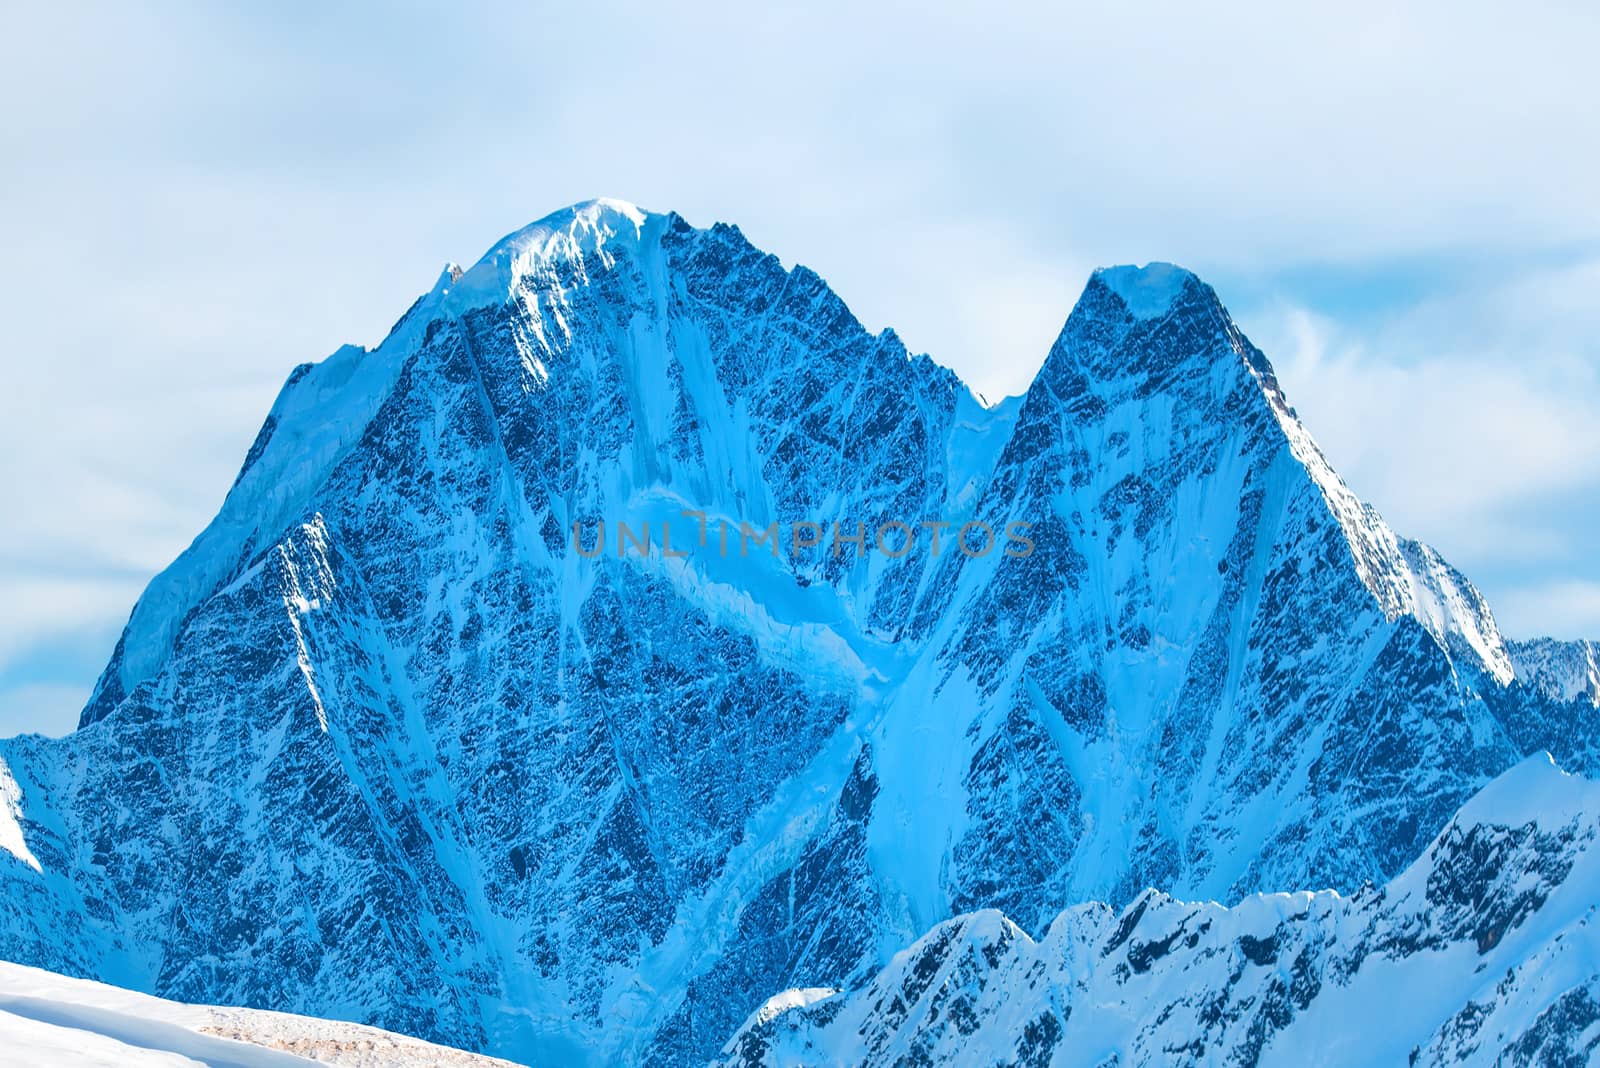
(1149, 291)
(572, 233)
(600, 213)
(383, 693)
(1138, 326)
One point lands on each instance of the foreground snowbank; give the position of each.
(49, 1019)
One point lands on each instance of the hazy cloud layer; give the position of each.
(194, 199)
(1471, 422)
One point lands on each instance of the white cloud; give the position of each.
(42, 708)
(207, 196)
(44, 608)
(1448, 439)
(1568, 609)
(1469, 420)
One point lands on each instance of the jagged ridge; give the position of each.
(1481, 952)
(379, 745)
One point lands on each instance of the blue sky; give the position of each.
(1399, 206)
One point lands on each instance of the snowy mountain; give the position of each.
(386, 744)
(1483, 952)
(1562, 671)
(50, 1021)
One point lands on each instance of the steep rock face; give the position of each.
(1220, 672)
(431, 749)
(384, 744)
(1481, 952)
(1561, 671)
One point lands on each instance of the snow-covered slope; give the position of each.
(1562, 671)
(51, 1021)
(1485, 951)
(381, 744)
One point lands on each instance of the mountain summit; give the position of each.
(391, 742)
(1149, 291)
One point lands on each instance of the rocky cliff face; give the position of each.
(1482, 952)
(1561, 671)
(385, 743)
